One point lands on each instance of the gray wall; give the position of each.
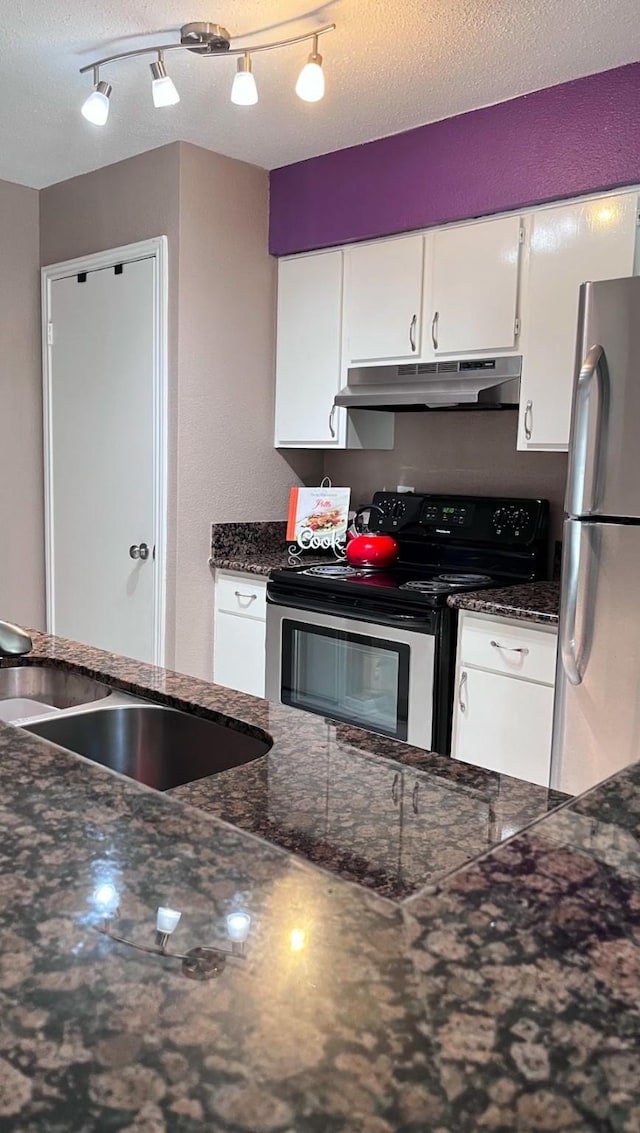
(454, 452)
(227, 466)
(21, 489)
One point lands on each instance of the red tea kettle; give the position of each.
(369, 548)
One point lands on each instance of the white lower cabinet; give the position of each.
(502, 719)
(239, 632)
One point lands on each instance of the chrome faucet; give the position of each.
(13, 641)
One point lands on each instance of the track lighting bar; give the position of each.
(219, 53)
(207, 40)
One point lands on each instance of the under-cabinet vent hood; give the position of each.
(471, 383)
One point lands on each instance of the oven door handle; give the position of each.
(377, 617)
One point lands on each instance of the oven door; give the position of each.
(376, 676)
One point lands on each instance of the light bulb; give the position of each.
(297, 939)
(163, 88)
(96, 107)
(167, 920)
(244, 91)
(310, 84)
(238, 925)
(105, 898)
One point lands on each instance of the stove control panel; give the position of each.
(469, 519)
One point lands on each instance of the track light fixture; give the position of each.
(310, 84)
(163, 88)
(208, 40)
(96, 107)
(244, 91)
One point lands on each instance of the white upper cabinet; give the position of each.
(567, 246)
(308, 352)
(474, 291)
(383, 300)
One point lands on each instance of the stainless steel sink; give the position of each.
(159, 746)
(24, 689)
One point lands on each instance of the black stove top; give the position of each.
(447, 544)
(418, 582)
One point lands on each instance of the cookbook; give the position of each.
(318, 517)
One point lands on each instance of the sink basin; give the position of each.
(31, 690)
(159, 746)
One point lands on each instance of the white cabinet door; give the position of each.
(588, 240)
(475, 286)
(239, 647)
(383, 299)
(308, 352)
(503, 724)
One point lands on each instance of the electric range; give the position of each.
(375, 647)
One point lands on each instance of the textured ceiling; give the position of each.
(389, 67)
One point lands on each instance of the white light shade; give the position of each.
(167, 920)
(238, 925)
(164, 92)
(310, 84)
(244, 91)
(96, 107)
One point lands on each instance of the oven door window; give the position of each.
(346, 676)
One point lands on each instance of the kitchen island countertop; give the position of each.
(504, 996)
(536, 602)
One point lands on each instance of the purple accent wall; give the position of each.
(563, 141)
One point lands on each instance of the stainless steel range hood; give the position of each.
(471, 383)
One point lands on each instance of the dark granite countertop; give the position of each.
(386, 815)
(532, 602)
(504, 997)
(253, 548)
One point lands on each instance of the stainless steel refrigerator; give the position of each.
(597, 709)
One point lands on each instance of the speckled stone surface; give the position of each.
(505, 997)
(385, 815)
(532, 602)
(253, 548)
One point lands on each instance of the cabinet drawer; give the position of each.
(241, 594)
(509, 648)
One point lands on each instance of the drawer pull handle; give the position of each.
(247, 597)
(463, 680)
(394, 788)
(528, 420)
(510, 648)
(414, 798)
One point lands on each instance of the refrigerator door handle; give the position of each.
(569, 602)
(583, 485)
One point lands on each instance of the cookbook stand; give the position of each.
(329, 544)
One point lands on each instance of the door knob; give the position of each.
(139, 552)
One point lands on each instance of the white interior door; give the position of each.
(101, 458)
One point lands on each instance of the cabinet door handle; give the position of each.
(247, 597)
(510, 648)
(434, 330)
(414, 798)
(394, 788)
(528, 420)
(461, 687)
(331, 417)
(412, 333)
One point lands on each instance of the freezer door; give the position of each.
(597, 707)
(604, 464)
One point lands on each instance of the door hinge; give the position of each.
(49, 334)
(516, 328)
(521, 235)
